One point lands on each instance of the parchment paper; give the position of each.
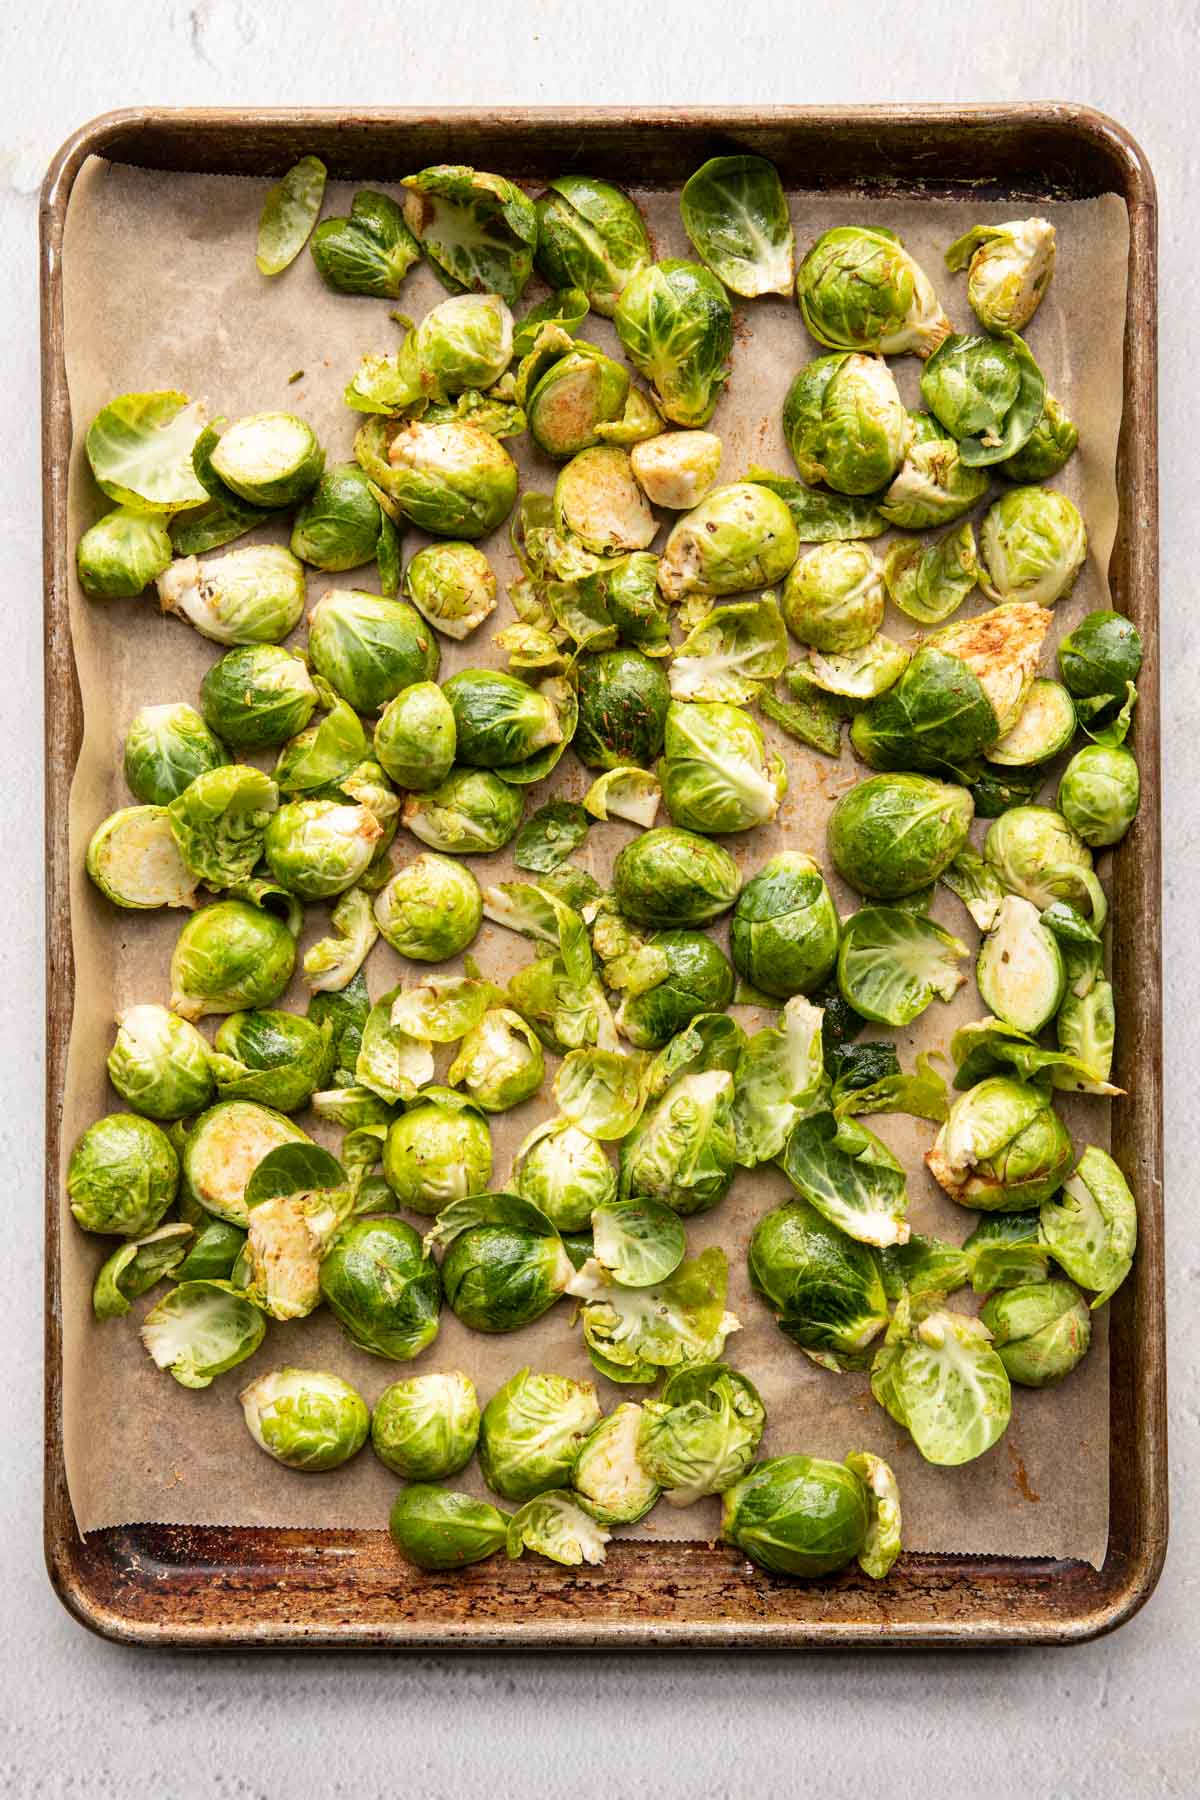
(161, 291)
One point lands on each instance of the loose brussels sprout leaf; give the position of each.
(166, 747)
(289, 213)
(853, 1067)
(326, 753)
(638, 1243)
(892, 964)
(824, 1288)
(716, 773)
(859, 289)
(851, 676)
(922, 1095)
(430, 909)
(122, 554)
(566, 1014)
(702, 1435)
(676, 327)
(882, 1544)
(382, 1287)
(1086, 1028)
(731, 653)
(273, 1057)
(601, 1092)
(434, 1528)
(736, 215)
(989, 1047)
(1006, 1250)
(1020, 970)
(370, 252)
(136, 1267)
(1036, 854)
(843, 1170)
(833, 598)
(988, 394)
(683, 1151)
(818, 516)
(473, 812)
(230, 956)
(780, 1076)
(347, 1008)
(1008, 270)
(740, 536)
(219, 822)
(160, 1064)
(437, 1152)
(555, 1526)
(1104, 726)
(945, 1383)
(1099, 793)
(443, 1009)
(591, 237)
(531, 651)
(567, 308)
(305, 1418)
(133, 860)
(929, 582)
(798, 1515)
(784, 934)
(680, 1320)
(1032, 545)
(479, 231)
(845, 423)
(1091, 1227)
(676, 976)
(296, 1199)
(710, 1041)
(608, 1477)
(214, 1252)
(1048, 448)
(550, 835)
(390, 1062)
(625, 793)
(200, 1329)
(893, 834)
(426, 1428)
(976, 884)
(532, 1431)
(1041, 1332)
(933, 485)
(139, 447)
(624, 593)
(332, 962)
(536, 911)
(250, 596)
(923, 1267)
(499, 1062)
(1002, 1148)
(640, 420)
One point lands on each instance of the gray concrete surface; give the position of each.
(81, 1718)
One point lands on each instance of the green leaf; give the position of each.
(550, 835)
(289, 213)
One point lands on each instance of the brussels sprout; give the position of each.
(565, 1173)
(139, 447)
(228, 957)
(625, 793)
(609, 1478)
(597, 499)
(601, 1092)
(1098, 794)
(472, 812)
(697, 979)
(892, 964)
(716, 773)
(370, 252)
(499, 1062)
(122, 1176)
(1008, 270)
(452, 587)
(858, 675)
(845, 423)
(160, 1064)
(137, 1266)
(676, 327)
(825, 1289)
(383, 1290)
(798, 1515)
(1003, 1148)
(851, 1178)
(166, 747)
(701, 1436)
(1091, 1227)
(269, 459)
(893, 834)
(273, 1057)
(944, 1382)
(740, 536)
(668, 877)
(257, 696)
(779, 1078)
(1044, 726)
(426, 1428)
(1020, 968)
(451, 478)
(532, 1431)
(591, 236)
(133, 860)
(859, 289)
(219, 822)
(624, 591)
(1005, 1251)
(438, 1151)
(682, 1152)
(305, 1418)
(1037, 855)
(623, 700)
(369, 648)
(834, 597)
(736, 214)
(431, 909)
(505, 1264)
(1041, 1332)
(201, 1329)
(555, 1525)
(1033, 545)
(222, 1151)
(1047, 449)
(318, 848)
(435, 1528)
(676, 469)
(577, 394)
(498, 719)
(1099, 659)
(933, 485)
(931, 581)
(415, 737)
(338, 527)
(254, 595)
(479, 231)
(122, 554)
(987, 393)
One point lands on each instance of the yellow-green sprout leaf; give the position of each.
(556, 1526)
(882, 1545)
(601, 1091)
(632, 794)
(289, 213)
(140, 450)
(731, 653)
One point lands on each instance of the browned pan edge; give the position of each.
(154, 1584)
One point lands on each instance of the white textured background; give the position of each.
(81, 1718)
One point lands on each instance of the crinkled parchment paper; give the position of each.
(161, 291)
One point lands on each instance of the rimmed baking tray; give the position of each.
(156, 1584)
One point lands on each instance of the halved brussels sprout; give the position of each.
(498, 719)
(740, 536)
(784, 933)
(1044, 726)
(254, 595)
(943, 1381)
(623, 701)
(499, 1062)
(1003, 1147)
(257, 696)
(931, 581)
(532, 1431)
(892, 964)
(1091, 1227)
(701, 1436)
(1099, 793)
(1040, 1332)
(431, 909)
(577, 394)
(415, 737)
(834, 597)
(166, 747)
(608, 1476)
(676, 469)
(451, 479)
(851, 1178)
(479, 230)
(933, 485)
(369, 648)
(1036, 854)
(201, 1329)
(222, 1151)
(987, 393)
(305, 1418)
(452, 586)
(675, 324)
(1032, 545)
(892, 835)
(382, 1288)
(798, 1515)
(269, 459)
(122, 554)
(597, 499)
(160, 1064)
(1020, 969)
(132, 858)
(137, 1266)
(736, 214)
(438, 1151)
(683, 1151)
(825, 1289)
(845, 423)
(122, 1176)
(427, 1427)
(370, 252)
(1008, 270)
(338, 527)
(505, 1264)
(435, 1528)
(1048, 448)
(318, 848)
(274, 1057)
(472, 812)
(716, 773)
(296, 1198)
(228, 957)
(139, 447)
(591, 236)
(668, 877)
(859, 289)
(565, 1173)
